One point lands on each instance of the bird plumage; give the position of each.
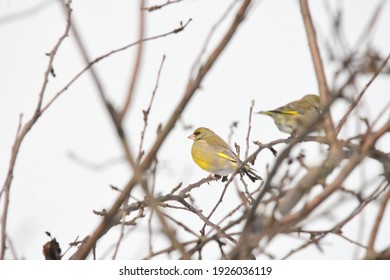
(211, 153)
(296, 116)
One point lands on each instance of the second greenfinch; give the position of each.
(211, 153)
(295, 117)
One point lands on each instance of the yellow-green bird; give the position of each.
(295, 117)
(211, 153)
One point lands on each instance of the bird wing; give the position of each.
(222, 148)
(227, 156)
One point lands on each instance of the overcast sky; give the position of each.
(268, 61)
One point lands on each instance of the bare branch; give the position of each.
(319, 70)
(30, 11)
(249, 127)
(147, 112)
(137, 65)
(157, 7)
(363, 91)
(22, 131)
(375, 229)
(191, 88)
(99, 58)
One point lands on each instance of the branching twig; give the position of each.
(36, 8)
(216, 205)
(375, 229)
(192, 86)
(320, 73)
(23, 130)
(209, 36)
(157, 7)
(362, 92)
(249, 127)
(244, 246)
(293, 218)
(104, 56)
(147, 112)
(137, 65)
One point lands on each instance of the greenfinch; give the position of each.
(211, 153)
(296, 116)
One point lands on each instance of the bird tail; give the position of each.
(278, 112)
(267, 113)
(251, 173)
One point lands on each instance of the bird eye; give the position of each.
(196, 133)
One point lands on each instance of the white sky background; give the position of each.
(268, 60)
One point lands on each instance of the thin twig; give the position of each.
(23, 131)
(157, 7)
(138, 176)
(191, 88)
(147, 111)
(190, 187)
(368, 31)
(51, 56)
(244, 247)
(378, 220)
(354, 161)
(94, 74)
(209, 36)
(249, 127)
(352, 241)
(35, 9)
(137, 65)
(182, 225)
(216, 205)
(12, 248)
(320, 73)
(150, 232)
(362, 92)
(104, 56)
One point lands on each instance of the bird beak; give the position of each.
(192, 137)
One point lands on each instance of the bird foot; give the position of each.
(218, 177)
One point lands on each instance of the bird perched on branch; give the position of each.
(295, 117)
(211, 153)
